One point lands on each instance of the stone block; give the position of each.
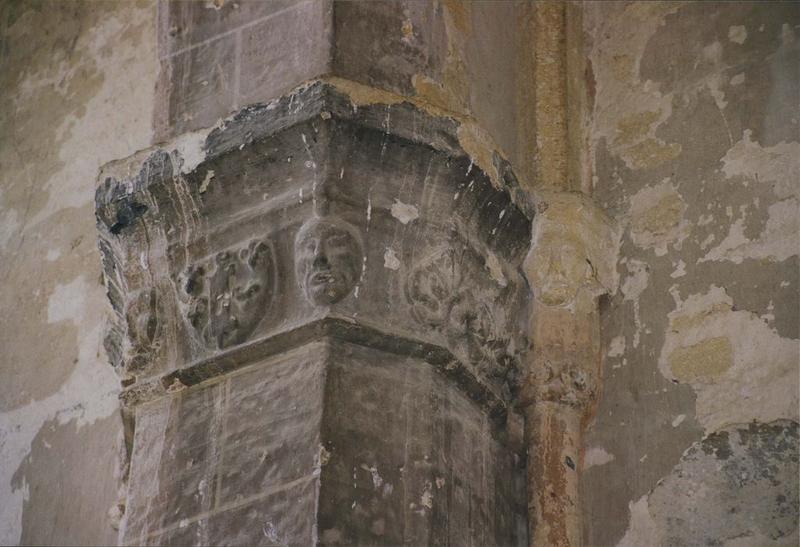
(282, 51)
(196, 87)
(186, 23)
(411, 459)
(202, 455)
(404, 40)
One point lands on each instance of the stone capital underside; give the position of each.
(319, 329)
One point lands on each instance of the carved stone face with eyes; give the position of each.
(231, 293)
(558, 268)
(328, 257)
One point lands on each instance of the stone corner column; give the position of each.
(570, 264)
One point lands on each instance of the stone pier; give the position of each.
(321, 315)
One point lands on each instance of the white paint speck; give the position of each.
(616, 347)
(596, 456)
(206, 181)
(737, 34)
(680, 270)
(377, 480)
(495, 270)
(390, 260)
(404, 212)
(426, 500)
(738, 79)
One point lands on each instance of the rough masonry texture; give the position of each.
(322, 277)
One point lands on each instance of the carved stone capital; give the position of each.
(573, 250)
(568, 384)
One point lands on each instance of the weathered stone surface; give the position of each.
(208, 457)
(199, 86)
(76, 84)
(184, 23)
(280, 52)
(441, 476)
(56, 477)
(469, 58)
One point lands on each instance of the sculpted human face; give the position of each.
(557, 268)
(327, 260)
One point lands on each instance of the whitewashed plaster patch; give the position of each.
(737, 34)
(390, 260)
(596, 456)
(778, 241)
(657, 218)
(79, 303)
(740, 368)
(642, 529)
(778, 165)
(404, 212)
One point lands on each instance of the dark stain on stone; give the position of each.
(718, 444)
(127, 215)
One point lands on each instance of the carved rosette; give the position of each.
(448, 294)
(570, 385)
(228, 295)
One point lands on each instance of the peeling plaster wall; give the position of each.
(694, 147)
(76, 82)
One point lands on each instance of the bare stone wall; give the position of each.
(76, 86)
(217, 56)
(694, 148)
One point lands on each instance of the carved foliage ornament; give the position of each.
(144, 316)
(444, 296)
(227, 296)
(569, 385)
